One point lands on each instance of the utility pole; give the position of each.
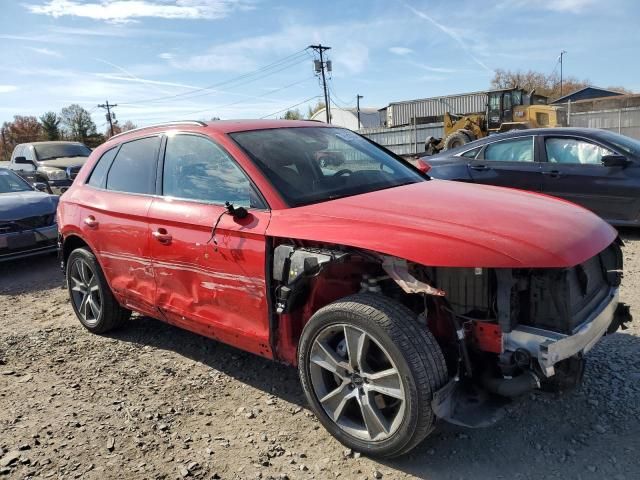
(108, 107)
(319, 68)
(561, 54)
(358, 97)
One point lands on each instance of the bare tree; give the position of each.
(78, 123)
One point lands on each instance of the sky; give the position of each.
(162, 60)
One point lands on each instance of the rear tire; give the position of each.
(91, 298)
(455, 140)
(377, 400)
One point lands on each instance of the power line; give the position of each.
(292, 106)
(285, 60)
(252, 98)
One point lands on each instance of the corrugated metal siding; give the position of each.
(624, 120)
(404, 140)
(402, 113)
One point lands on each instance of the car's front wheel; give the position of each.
(91, 298)
(369, 371)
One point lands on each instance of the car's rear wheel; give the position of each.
(369, 371)
(91, 298)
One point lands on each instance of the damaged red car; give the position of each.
(400, 299)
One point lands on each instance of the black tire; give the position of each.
(412, 350)
(111, 315)
(455, 140)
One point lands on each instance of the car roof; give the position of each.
(588, 132)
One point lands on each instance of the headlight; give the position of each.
(53, 173)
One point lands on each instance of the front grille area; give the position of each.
(28, 223)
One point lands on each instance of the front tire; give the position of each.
(369, 371)
(91, 298)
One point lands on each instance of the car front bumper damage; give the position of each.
(28, 242)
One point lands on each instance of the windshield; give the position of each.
(60, 150)
(626, 144)
(311, 165)
(11, 183)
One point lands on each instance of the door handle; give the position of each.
(91, 222)
(479, 168)
(162, 236)
(552, 173)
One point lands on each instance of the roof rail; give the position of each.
(164, 124)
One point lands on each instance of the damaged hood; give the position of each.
(19, 205)
(453, 224)
(64, 162)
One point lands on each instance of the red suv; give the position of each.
(401, 299)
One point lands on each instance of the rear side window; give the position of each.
(514, 150)
(198, 169)
(100, 170)
(134, 168)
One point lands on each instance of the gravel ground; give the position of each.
(152, 401)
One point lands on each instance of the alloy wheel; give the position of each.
(356, 382)
(85, 292)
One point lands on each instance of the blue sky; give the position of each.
(152, 57)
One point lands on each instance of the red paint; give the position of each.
(178, 275)
(486, 336)
(423, 166)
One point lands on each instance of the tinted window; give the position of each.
(134, 168)
(10, 182)
(315, 164)
(100, 170)
(515, 150)
(198, 169)
(572, 150)
(471, 153)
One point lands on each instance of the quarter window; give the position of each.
(514, 150)
(471, 153)
(572, 150)
(100, 170)
(134, 168)
(196, 168)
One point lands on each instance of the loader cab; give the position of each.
(503, 106)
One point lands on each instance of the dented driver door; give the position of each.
(210, 282)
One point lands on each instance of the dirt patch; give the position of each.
(152, 401)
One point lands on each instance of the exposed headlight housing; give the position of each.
(53, 173)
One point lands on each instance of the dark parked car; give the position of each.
(53, 163)
(27, 218)
(597, 169)
(394, 295)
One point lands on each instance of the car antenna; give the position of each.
(235, 212)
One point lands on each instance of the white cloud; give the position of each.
(8, 88)
(569, 6)
(121, 11)
(400, 50)
(46, 52)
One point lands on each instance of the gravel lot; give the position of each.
(152, 401)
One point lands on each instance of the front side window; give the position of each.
(100, 170)
(572, 150)
(196, 168)
(315, 164)
(513, 150)
(134, 168)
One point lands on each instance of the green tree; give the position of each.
(292, 115)
(51, 125)
(78, 123)
(311, 111)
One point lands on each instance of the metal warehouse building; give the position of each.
(430, 110)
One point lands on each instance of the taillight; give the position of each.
(423, 166)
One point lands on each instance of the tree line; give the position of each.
(72, 123)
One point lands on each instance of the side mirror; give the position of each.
(24, 161)
(41, 187)
(615, 161)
